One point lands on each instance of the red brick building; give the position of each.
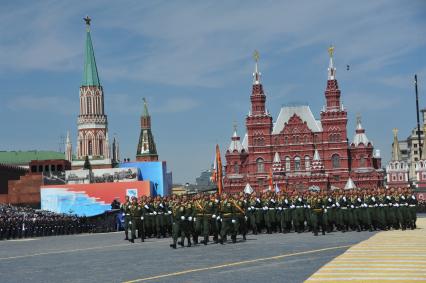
(298, 149)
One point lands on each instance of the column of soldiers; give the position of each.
(190, 218)
(24, 222)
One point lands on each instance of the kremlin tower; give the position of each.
(146, 150)
(92, 139)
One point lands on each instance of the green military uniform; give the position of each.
(317, 210)
(125, 208)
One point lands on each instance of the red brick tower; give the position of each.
(334, 147)
(259, 128)
(147, 151)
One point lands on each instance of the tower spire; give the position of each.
(396, 153)
(145, 112)
(331, 69)
(90, 74)
(256, 74)
(68, 148)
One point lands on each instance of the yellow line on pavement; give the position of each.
(234, 264)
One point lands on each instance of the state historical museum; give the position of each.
(298, 151)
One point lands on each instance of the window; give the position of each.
(33, 169)
(415, 152)
(286, 140)
(287, 164)
(260, 165)
(401, 177)
(40, 168)
(89, 105)
(335, 159)
(46, 168)
(90, 148)
(53, 168)
(306, 139)
(60, 168)
(362, 161)
(336, 178)
(101, 148)
(297, 163)
(296, 139)
(393, 177)
(415, 145)
(307, 163)
(424, 175)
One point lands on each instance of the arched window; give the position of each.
(307, 163)
(236, 168)
(362, 161)
(297, 163)
(260, 165)
(306, 139)
(287, 164)
(101, 147)
(335, 159)
(286, 140)
(296, 139)
(89, 105)
(90, 148)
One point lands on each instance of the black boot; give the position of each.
(132, 240)
(234, 238)
(189, 242)
(173, 245)
(206, 240)
(244, 237)
(181, 243)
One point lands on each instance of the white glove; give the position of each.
(373, 199)
(329, 199)
(246, 218)
(249, 208)
(141, 217)
(390, 204)
(130, 222)
(272, 200)
(218, 217)
(413, 197)
(337, 204)
(304, 205)
(234, 221)
(161, 205)
(359, 199)
(397, 204)
(146, 206)
(402, 197)
(182, 217)
(265, 208)
(169, 212)
(280, 208)
(352, 206)
(214, 216)
(286, 201)
(325, 210)
(376, 205)
(381, 205)
(333, 205)
(258, 200)
(216, 200)
(195, 219)
(124, 214)
(299, 199)
(292, 206)
(344, 198)
(155, 212)
(309, 206)
(388, 197)
(190, 218)
(252, 207)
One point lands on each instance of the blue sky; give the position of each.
(192, 60)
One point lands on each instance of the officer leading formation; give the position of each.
(187, 218)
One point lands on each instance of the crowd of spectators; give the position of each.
(24, 222)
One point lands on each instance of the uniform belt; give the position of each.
(299, 206)
(127, 214)
(200, 214)
(344, 207)
(385, 205)
(317, 209)
(151, 213)
(371, 206)
(412, 205)
(227, 214)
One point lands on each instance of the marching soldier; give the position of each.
(125, 208)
